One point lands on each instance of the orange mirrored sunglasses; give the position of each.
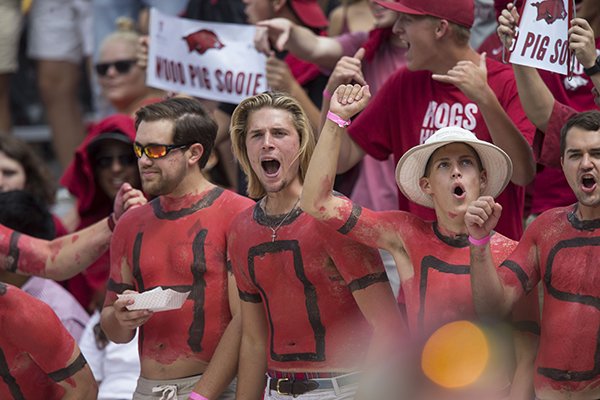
(154, 150)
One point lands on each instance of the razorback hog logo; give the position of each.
(550, 10)
(202, 41)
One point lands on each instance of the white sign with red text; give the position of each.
(543, 40)
(210, 60)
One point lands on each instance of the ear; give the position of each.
(278, 5)
(483, 180)
(562, 162)
(425, 185)
(442, 27)
(196, 151)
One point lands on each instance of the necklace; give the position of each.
(274, 230)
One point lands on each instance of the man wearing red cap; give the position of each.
(302, 80)
(445, 82)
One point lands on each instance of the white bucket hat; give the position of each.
(411, 167)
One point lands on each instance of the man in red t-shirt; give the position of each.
(39, 359)
(177, 241)
(446, 173)
(561, 249)
(445, 82)
(317, 307)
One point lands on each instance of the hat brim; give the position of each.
(411, 168)
(98, 140)
(310, 13)
(395, 6)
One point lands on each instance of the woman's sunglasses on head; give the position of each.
(154, 150)
(121, 66)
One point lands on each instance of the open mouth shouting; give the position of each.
(270, 166)
(588, 183)
(458, 191)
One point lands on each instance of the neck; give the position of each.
(276, 203)
(451, 225)
(585, 213)
(450, 55)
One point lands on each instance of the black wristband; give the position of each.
(594, 69)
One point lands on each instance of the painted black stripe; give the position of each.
(13, 252)
(205, 202)
(352, 219)
(118, 287)
(367, 280)
(198, 293)
(519, 272)
(431, 262)
(250, 297)
(11, 382)
(68, 371)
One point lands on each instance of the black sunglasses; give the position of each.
(124, 160)
(122, 66)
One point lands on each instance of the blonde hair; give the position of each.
(239, 130)
(125, 32)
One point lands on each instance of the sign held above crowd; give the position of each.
(210, 60)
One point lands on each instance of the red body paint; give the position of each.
(34, 343)
(184, 249)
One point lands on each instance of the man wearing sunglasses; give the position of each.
(177, 241)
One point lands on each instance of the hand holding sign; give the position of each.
(507, 25)
(582, 42)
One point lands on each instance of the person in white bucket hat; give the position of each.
(447, 173)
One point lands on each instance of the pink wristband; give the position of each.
(196, 396)
(337, 119)
(479, 242)
(327, 94)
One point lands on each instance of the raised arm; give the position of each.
(300, 41)
(317, 198)
(582, 41)
(471, 79)
(489, 294)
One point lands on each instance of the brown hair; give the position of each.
(38, 180)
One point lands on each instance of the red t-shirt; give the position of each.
(564, 252)
(179, 244)
(35, 348)
(304, 279)
(411, 106)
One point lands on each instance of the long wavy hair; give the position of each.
(239, 130)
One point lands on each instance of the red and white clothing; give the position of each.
(563, 252)
(304, 280)
(411, 106)
(35, 348)
(178, 243)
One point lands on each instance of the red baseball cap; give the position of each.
(460, 12)
(310, 13)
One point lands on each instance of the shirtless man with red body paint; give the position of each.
(562, 249)
(448, 171)
(317, 308)
(64, 257)
(177, 241)
(39, 359)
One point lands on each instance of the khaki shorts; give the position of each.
(60, 30)
(174, 389)
(10, 33)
